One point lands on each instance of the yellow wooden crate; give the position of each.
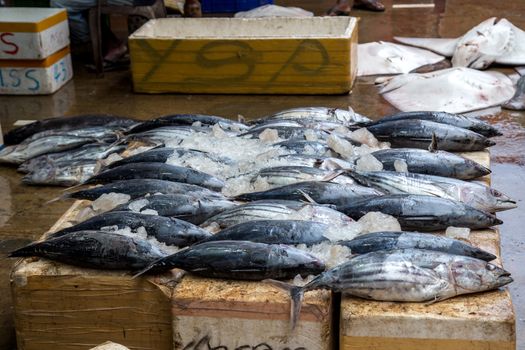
(245, 56)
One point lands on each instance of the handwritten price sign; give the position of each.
(240, 66)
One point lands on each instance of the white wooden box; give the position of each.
(36, 77)
(32, 33)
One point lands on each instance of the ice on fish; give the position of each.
(140, 233)
(365, 137)
(269, 135)
(310, 135)
(368, 162)
(218, 132)
(376, 221)
(138, 204)
(457, 232)
(341, 146)
(330, 254)
(109, 201)
(400, 166)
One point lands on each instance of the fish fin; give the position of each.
(442, 46)
(433, 144)
(332, 176)
(76, 186)
(146, 269)
(307, 197)
(296, 295)
(56, 199)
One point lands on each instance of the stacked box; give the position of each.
(34, 51)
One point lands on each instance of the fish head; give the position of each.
(482, 46)
(474, 275)
(285, 257)
(503, 202)
(42, 175)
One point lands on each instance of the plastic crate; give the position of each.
(231, 5)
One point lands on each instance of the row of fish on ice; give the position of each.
(308, 191)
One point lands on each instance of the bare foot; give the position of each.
(341, 8)
(115, 53)
(373, 5)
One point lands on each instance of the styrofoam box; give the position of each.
(36, 77)
(32, 33)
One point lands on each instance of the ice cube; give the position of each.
(368, 162)
(401, 166)
(109, 201)
(376, 221)
(457, 232)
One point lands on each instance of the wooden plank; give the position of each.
(267, 65)
(476, 321)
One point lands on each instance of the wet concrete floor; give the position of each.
(24, 216)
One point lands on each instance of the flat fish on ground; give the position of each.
(383, 57)
(453, 90)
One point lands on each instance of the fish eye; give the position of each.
(495, 193)
(490, 267)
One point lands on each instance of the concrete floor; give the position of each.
(24, 217)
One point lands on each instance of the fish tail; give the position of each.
(28, 250)
(56, 199)
(296, 295)
(148, 268)
(76, 186)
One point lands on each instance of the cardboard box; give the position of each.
(32, 33)
(315, 55)
(36, 77)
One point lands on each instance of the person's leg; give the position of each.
(78, 24)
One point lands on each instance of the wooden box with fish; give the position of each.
(316, 55)
(479, 321)
(66, 306)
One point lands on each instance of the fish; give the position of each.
(324, 125)
(414, 133)
(421, 213)
(17, 154)
(166, 135)
(289, 132)
(164, 154)
(157, 171)
(319, 191)
(290, 232)
(187, 120)
(286, 175)
(93, 151)
(406, 275)
(95, 249)
(170, 231)
(19, 134)
(240, 260)
(305, 147)
(462, 121)
(452, 90)
(312, 161)
(471, 193)
(343, 116)
(517, 102)
(492, 41)
(391, 240)
(440, 163)
(382, 57)
(277, 210)
(107, 133)
(185, 207)
(62, 173)
(136, 188)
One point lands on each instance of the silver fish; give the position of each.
(471, 193)
(345, 117)
(286, 175)
(62, 173)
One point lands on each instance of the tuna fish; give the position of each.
(170, 231)
(140, 187)
(95, 249)
(62, 173)
(291, 232)
(410, 275)
(290, 132)
(471, 193)
(285, 175)
(414, 133)
(162, 155)
(320, 192)
(157, 171)
(461, 121)
(375, 241)
(277, 210)
(345, 117)
(305, 147)
(93, 151)
(181, 206)
(438, 163)
(240, 260)
(20, 153)
(188, 119)
(110, 134)
(19, 134)
(166, 134)
(422, 213)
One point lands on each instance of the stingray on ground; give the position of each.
(453, 90)
(490, 41)
(383, 57)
